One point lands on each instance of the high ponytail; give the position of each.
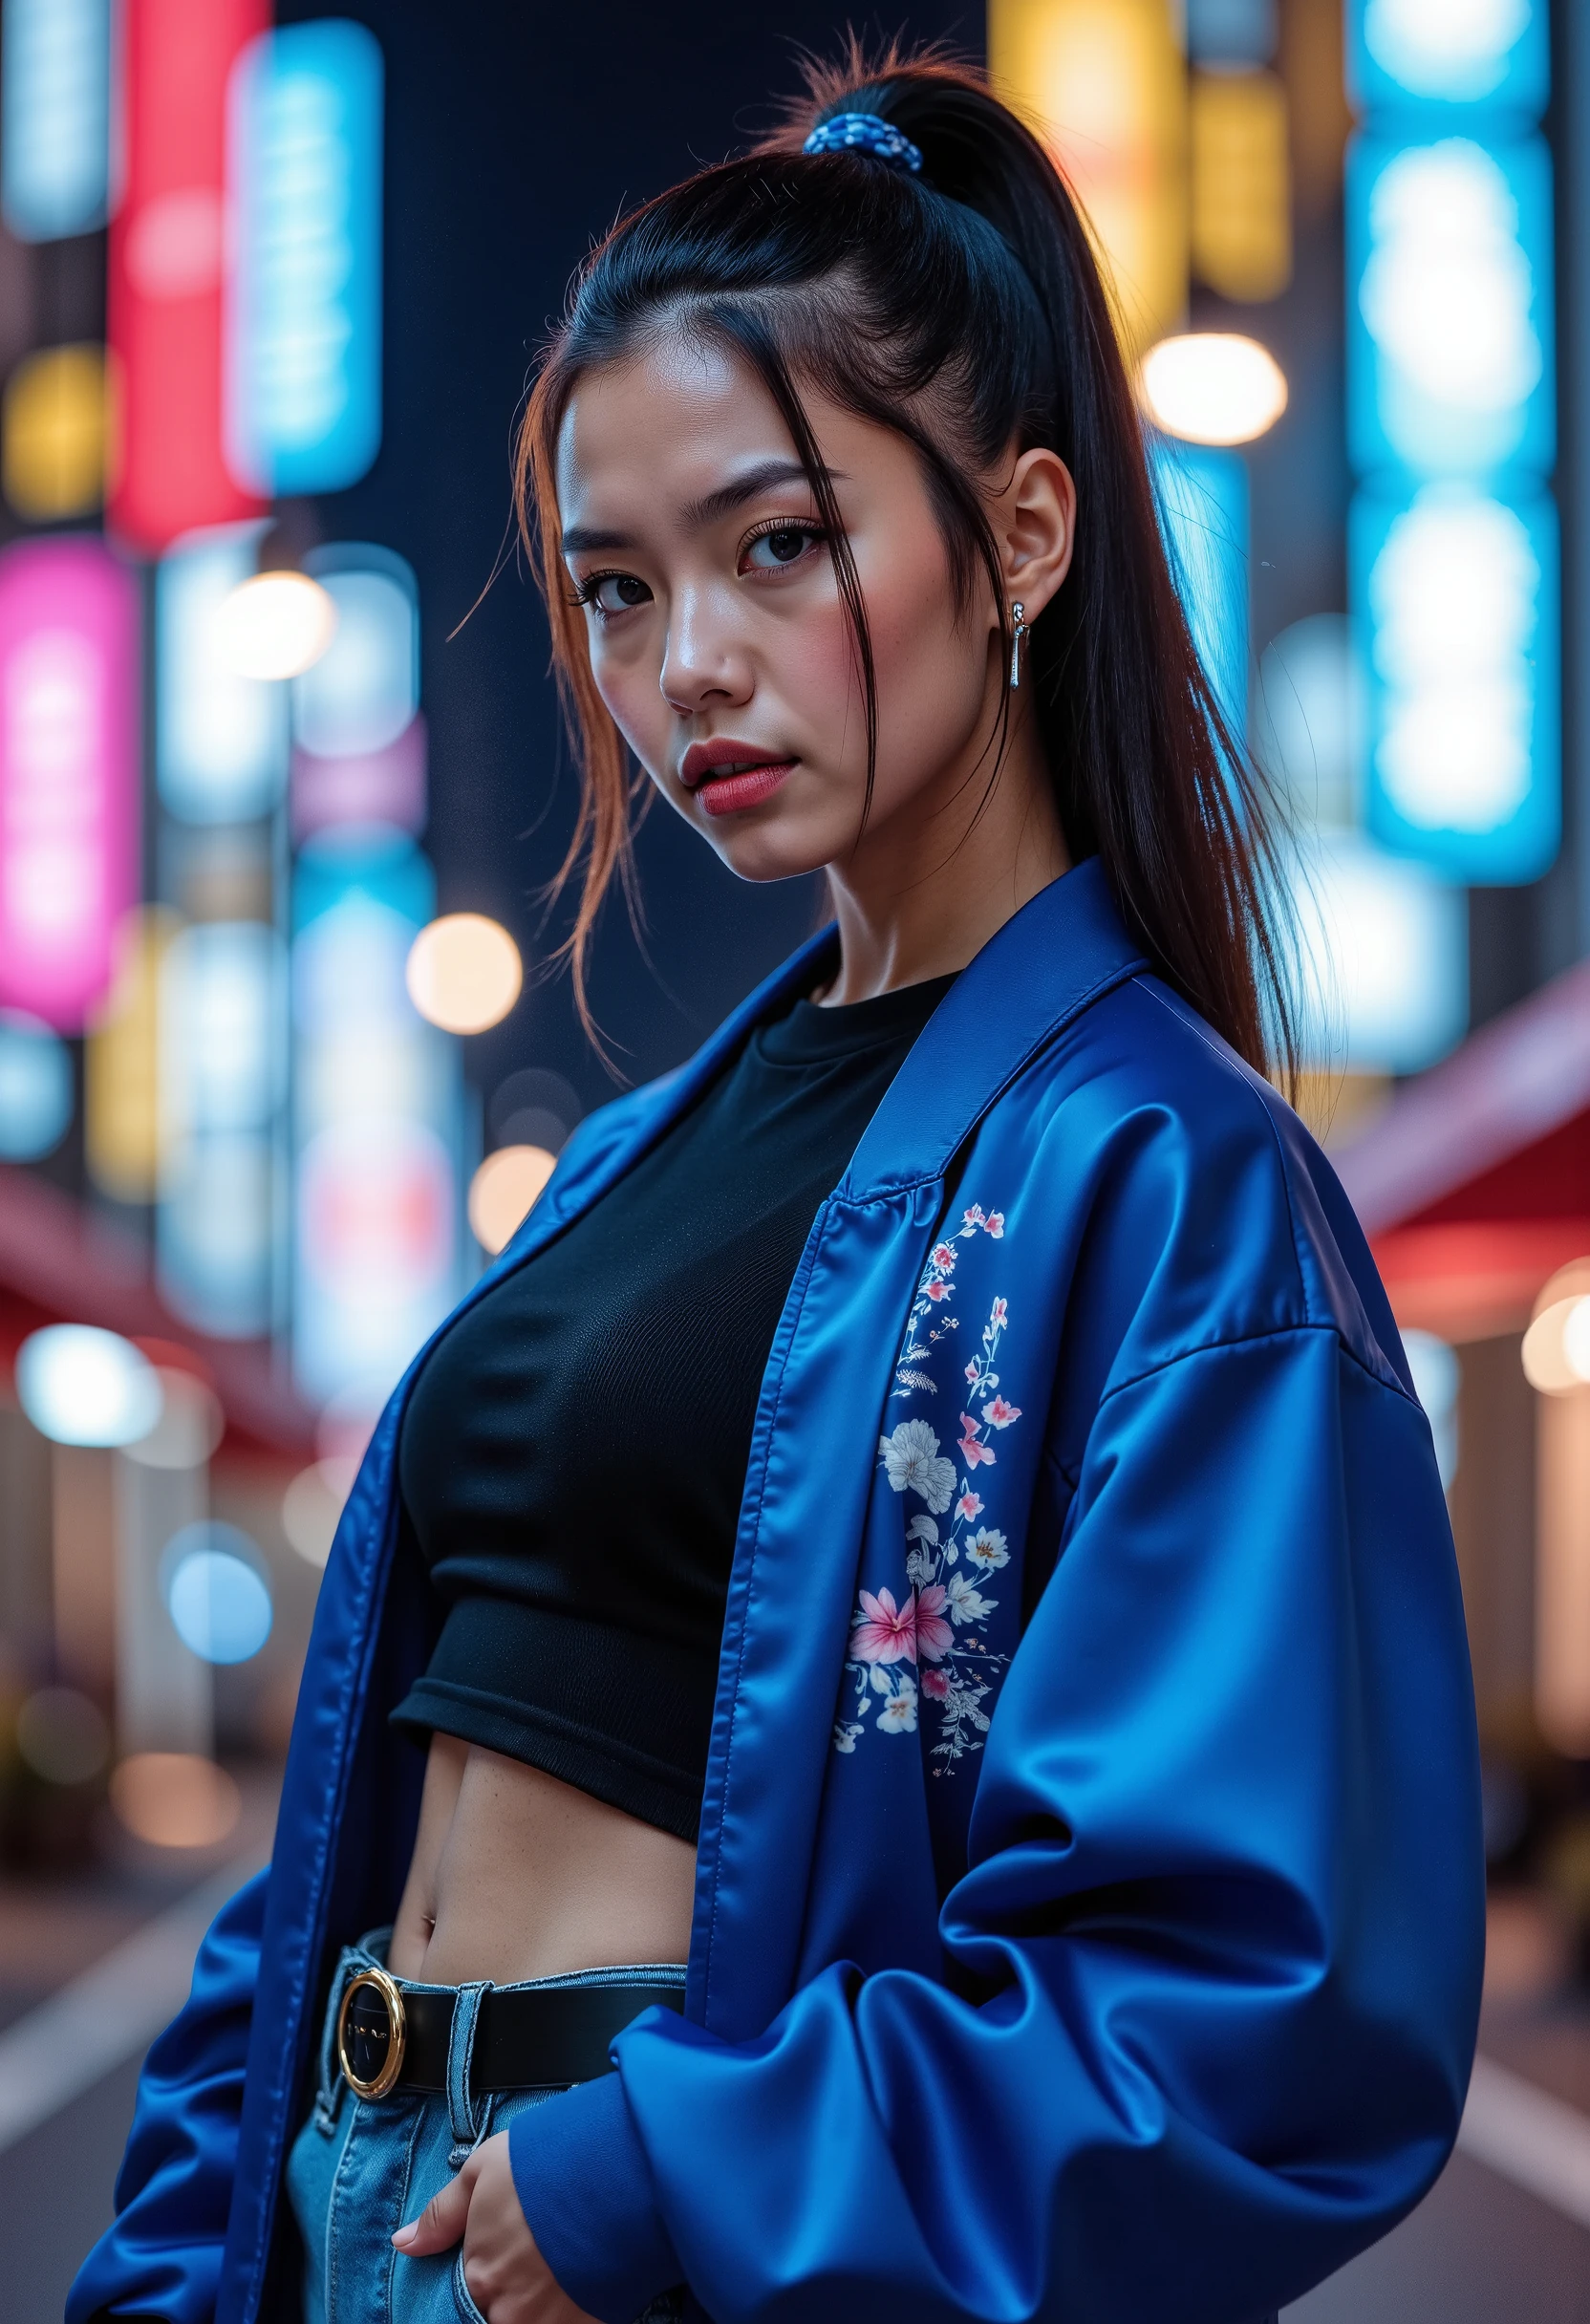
(964, 308)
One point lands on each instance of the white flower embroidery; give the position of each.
(911, 1458)
(898, 1715)
(958, 1669)
(987, 1548)
(967, 1602)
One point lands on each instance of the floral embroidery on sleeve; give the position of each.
(936, 1633)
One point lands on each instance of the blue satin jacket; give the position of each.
(1089, 1909)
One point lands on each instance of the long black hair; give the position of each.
(962, 309)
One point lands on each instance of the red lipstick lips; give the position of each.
(728, 776)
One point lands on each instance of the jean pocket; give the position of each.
(461, 2298)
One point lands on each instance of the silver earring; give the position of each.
(1017, 643)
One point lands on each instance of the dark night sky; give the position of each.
(515, 133)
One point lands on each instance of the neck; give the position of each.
(924, 890)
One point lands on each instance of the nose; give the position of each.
(704, 661)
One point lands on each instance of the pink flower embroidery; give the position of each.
(970, 1450)
(933, 1635)
(972, 1371)
(969, 1504)
(944, 1255)
(972, 1218)
(888, 1632)
(935, 1291)
(994, 1224)
(998, 1314)
(998, 1414)
(936, 1683)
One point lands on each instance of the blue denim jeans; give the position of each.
(360, 2168)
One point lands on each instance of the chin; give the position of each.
(779, 849)
(762, 865)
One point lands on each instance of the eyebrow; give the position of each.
(582, 539)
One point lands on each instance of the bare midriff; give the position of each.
(515, 1875)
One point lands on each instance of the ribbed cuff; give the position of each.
(585, 2188)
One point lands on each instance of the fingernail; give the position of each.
(405, 2235)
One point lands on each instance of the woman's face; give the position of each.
(718, 639)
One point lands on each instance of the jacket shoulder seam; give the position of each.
(1225, 1341)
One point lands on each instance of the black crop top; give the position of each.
(574, 1449)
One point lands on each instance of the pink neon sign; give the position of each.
(69, 773)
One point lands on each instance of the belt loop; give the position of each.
(461, 2059)
(328, 2098)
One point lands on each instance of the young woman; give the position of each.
(920, 1571)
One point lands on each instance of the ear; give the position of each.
(1034, 525)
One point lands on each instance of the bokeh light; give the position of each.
(503, 1189)
(218, 1596)
(464, 972)
(35, 1087)
(275, 625)
(62, 1735)
(175, 1799)
(1213, 387)
(363, 693)
(1382, 956)
(1557, 1346)
(53, 445)
(312, 1504)
(80, 1386)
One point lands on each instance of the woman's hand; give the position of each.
(507, 2277)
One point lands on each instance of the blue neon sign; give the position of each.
(304, 326)
(55, 117)
(1430, 53)
(1455, 589)
(1450, 349)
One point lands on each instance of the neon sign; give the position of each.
(69, 774)
(304, 308)
(168, 258)
(55, 117)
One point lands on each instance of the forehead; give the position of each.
(667, 424)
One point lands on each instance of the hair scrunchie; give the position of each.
(866, 132)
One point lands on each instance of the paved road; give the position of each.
(55, 2197)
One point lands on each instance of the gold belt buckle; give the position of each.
(370, 2033)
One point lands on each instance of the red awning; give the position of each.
(1474, 1186)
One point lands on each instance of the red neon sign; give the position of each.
(68, 767)
(167, 256)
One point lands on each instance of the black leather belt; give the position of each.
(393, 2037)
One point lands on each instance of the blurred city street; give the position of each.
(285, 1051)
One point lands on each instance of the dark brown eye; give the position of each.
(617, 592)
(787, 545)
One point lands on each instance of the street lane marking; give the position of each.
(112, 2012)
(1523, 2134)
